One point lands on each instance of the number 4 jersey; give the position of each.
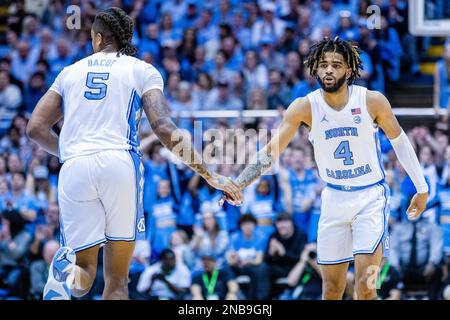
(346, 143)
(101, 97)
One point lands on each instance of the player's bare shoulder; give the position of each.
(377, 103)
(299, 111)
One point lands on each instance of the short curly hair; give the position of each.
(349, 51)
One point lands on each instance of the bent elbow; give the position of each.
(32, 130)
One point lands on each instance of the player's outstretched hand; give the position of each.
(417, 205)
(228, 186)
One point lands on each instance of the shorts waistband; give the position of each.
(352, 188)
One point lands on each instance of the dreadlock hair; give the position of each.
(349, 51)
(116, 27)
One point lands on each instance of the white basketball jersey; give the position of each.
(346, 143)
(101, 97)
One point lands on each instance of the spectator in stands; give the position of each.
(18, 200)
(240, 90)
(426, 159)
(293, 68)
(289, 41)
(5, 65)
(285, 247)
(191, 70)
(313, 225)
(188, 44)
(326, 16)
(179, 243)
(63, 58)
(303, 188)
(441, 93)
(268, 56)
(163, 218)
(14, 244)
(190, 17)
(305, 277)
(39, 269)
(445, 173)
(246, 257)
(279, 96)
(396, 12)
(209, 238)
(443, 202)
(220, 98)
(240, 29)
(45, 231)
(269, 26)
(165, 279)
(10, 101)
(233, 53)
(167, 32)
(208, 30)
(347, 30)
(263, 207)
(416, 251)
(213, 283)
(255, 73)
(184, 102)
(34, 91)
(257, 100)
(30, 30)
(391, 50)
(202, 87)
(150, 42)
(174, 8)
(23, 61)
(303, 87)
(219, 71)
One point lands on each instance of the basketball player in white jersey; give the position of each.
(344, 120)
(101, 99)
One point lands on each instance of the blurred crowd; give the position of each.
(220, 55)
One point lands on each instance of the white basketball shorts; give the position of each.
(100, 199)
(352, 222)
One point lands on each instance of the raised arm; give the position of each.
(381, 112)
(47, 113)
(179, 143)
(297, 113)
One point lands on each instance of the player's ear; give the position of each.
(98, 38)
(348, 73)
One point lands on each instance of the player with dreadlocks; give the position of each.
(344, 120)
(101, 98)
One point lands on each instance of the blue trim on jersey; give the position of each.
(59, 140)
(383, 213)
(139, 214)
(129, 109)
(352, 188)
(134, 107)
(377, 145)
(90, 245)
(335, 261)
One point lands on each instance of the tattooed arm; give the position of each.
(298, 112)
(179, 143)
